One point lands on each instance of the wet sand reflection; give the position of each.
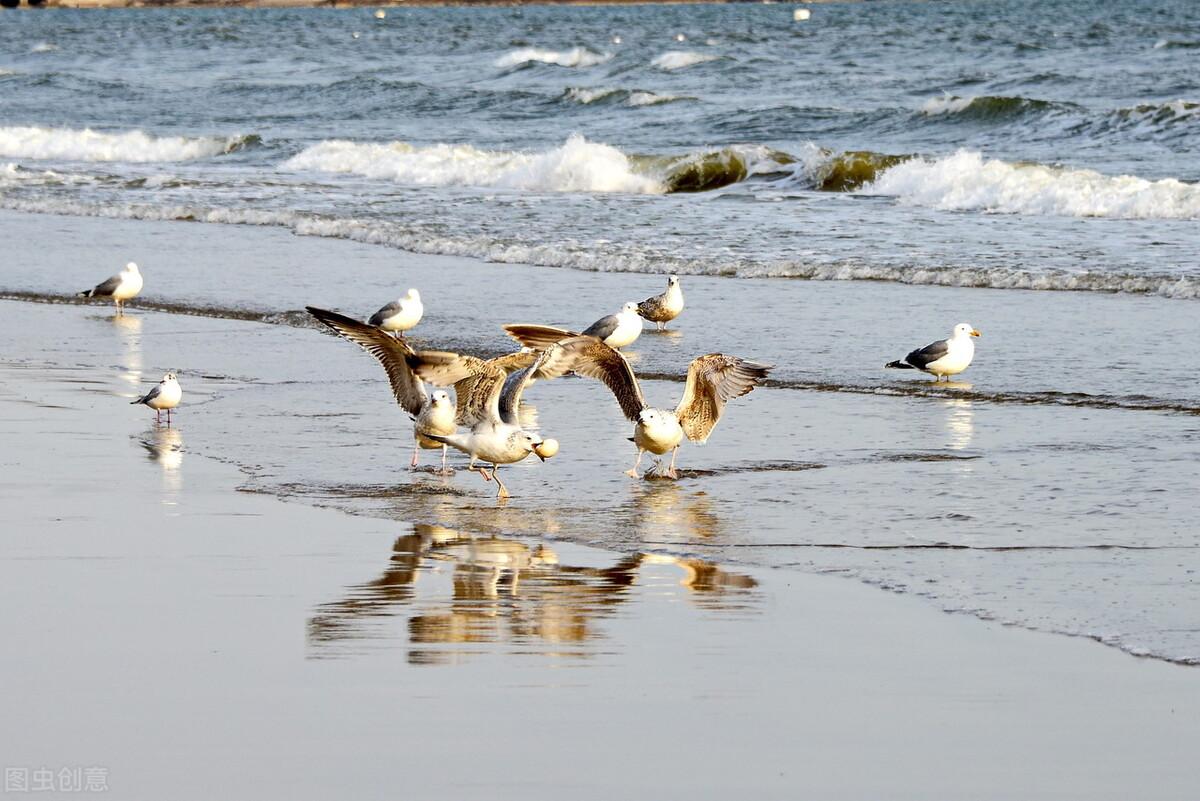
(501, 591)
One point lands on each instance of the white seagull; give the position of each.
(662, 309)
(711, 381)
(401, 314)
(165, 395)
(120, 287)
(615, 330)
(946, 357)
(431, 414)
(493, 399)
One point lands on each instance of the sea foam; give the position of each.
(968, 181)
(87, 145)
(577, 166)
(575, 57)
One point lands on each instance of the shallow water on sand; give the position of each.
(1070, 513)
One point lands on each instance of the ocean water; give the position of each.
(835, 192)
(912, 142)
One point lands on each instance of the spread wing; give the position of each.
(712, 380)
(107, 287)
(478, 384)
(556, 360)
(603, 328)
(391, 352)
(925, 356)
(538, 337)
(390, 310)
(596, 360)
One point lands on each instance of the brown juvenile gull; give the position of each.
(432, 414)
(662, 309)
(712, 380)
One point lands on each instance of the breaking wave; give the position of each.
(681, 59)
(64, 144)
(577, 166)
(575, 57)
(635, 97)
(966, 181)
(989, 108)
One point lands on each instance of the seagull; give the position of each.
(165, 395)
(711, 381)
(432, 414)
(664, 308)
(490, 410)
(615, 330)
(401, 314)
(120, 287)
(946, 357)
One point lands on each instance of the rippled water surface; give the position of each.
(1034, 145)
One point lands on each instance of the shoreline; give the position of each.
(287, 628)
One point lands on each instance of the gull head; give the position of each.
(673, 280)
(531, 443)
(131, 268)
(546, 448)
(440, 398)
(414, 295)
(629, 308)
(168, 377)
(965, 330)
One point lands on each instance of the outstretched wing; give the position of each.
(477, 383)
(391, 352)
(925, 356)
(712, 380)
(556, 360)
(538, 337)
(593, 359)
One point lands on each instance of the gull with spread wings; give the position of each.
(433, 415)
(489, 397)
(712, 380)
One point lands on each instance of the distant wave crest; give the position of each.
(681, 59)
(575, 57)
(64, 144)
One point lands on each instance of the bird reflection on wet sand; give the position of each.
(503, 591)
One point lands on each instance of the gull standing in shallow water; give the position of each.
(946, 357)
(662, 309)
(120, 287)
(432, 415)
(401, 314)
(711, 381)
(165, 395)
(490, 399)
(615, 330)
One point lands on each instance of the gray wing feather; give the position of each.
(391, 352)
(923, 357)
(390, 310)
(602, 329)
(106, 288)
(149, 396)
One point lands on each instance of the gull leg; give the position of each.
(445, 470)
(671, 471)
(633, 471)
(416, 450)
(502, 492)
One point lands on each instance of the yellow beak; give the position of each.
(975, 333)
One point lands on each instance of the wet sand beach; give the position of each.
(264, 599)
